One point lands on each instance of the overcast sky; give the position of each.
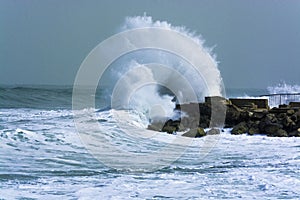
(257, 42)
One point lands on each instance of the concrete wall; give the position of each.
(242, 103)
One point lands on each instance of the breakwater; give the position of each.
(244, 116)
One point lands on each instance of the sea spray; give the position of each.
(151, 100)
(284, 88)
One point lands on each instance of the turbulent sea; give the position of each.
(43, 157)
(51, 149)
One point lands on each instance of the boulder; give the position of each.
(240, 128)
(195, 133)
(295, 133)
(288, 123)
(272, 128)
(242, 115)
(257, 115)
(271, 117)
(281, 116)
(213, 131)
(245, 115)
(295, 104)
(290, 112)
(280, 133)
(169, 129)
(232, 115)
(171, 126)
(253, 130)
(154, 127)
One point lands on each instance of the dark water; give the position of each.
(60, 97)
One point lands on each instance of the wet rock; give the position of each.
(252, 117)
(195, 133)
(245, 115)
(171, 126)
(294, 104)
(288, 123)
(240, 128)
(290, 112)
(232, 115)
(295, 133)
(253, 130)
(281, 116)
(169, 129)
(154, 127)
(213, 131)
(271, 117)
(257, 115)
(253, 127)
(294, 118)
(280, 133)
(181, 127)
(272, 128)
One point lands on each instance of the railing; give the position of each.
(283, 98)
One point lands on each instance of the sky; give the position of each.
(257, 42)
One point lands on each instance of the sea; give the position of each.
(42, 156)
(75, 142)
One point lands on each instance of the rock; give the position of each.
(200, 132)
(171, 126)
(271, 117)
(232, 116)
(272, 128)
(213, 131)
(290, 112)
(294, 118)
(279, 110)
(194, 133)
(281, 116)
(295, 133)
(258, 115)
(190, 122)
(283, 106)
(218, 114)
(298, 113)
(253, 127)
(181, 127)
(192, 110)
(253, 130)
(288, 123)
(240, 128)
(169, 129)
(280, 133)
(154, 127)
(243, 116)
(294, 104)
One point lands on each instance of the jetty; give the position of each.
(282, 98)
(243, 115)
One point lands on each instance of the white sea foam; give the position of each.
(284, 88)
(148, 99)
(42, 157)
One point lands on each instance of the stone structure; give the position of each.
(251, 116)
